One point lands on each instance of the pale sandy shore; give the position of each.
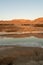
(5, 47)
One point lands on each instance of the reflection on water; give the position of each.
(31, 41)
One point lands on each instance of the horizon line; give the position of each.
(20, 19)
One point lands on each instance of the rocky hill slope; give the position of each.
(22, 27)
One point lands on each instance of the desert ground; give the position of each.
(16, 55)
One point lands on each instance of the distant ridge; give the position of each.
(22, 21)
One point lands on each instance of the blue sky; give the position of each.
(21, 9)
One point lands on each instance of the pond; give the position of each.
(27, 41)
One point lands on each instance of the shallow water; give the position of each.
(28, 41)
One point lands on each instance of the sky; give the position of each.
(21, 9)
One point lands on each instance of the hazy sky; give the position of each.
(23, 9)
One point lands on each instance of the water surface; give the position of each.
(28, 41)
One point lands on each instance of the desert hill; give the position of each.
(22, 21)
(15, 21)
(38, 21)
(22, 27)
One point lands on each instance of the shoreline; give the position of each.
(38, 35)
